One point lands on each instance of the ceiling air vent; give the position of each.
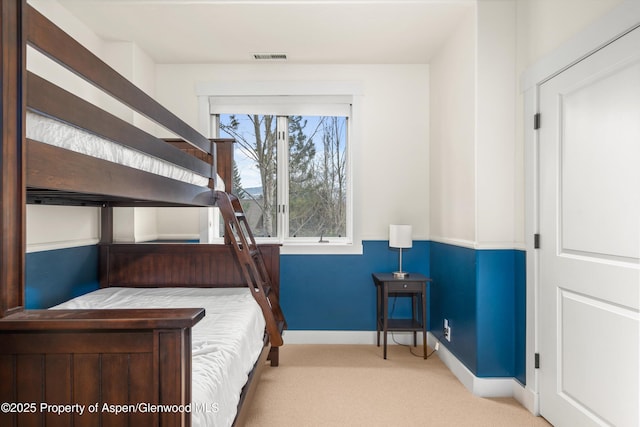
(270, 56)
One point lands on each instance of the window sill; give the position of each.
(311, 248)
(321, 249)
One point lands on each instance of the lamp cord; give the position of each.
(393, 337)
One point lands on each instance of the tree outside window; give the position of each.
(290, 174)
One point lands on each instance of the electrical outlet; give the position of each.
(437, 346)
(447, 330)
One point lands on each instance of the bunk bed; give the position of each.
(84, 354)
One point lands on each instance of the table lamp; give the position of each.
(400, 237)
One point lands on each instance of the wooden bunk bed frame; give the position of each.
(108, 356)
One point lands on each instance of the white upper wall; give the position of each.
(477, 166)
(178, 223)
(473, 94)
(55, 227)
(543, 25)
(496, 89)
(452, 135)
(390, 159)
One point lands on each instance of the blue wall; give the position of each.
(336, 292)
(56, 276)
(481, 292)
(453, 296)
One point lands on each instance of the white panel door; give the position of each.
(589, 270)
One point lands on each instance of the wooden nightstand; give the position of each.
(415, 286)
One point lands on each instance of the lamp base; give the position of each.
(400, 274)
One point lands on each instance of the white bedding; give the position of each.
(54, 132)
(226, 343)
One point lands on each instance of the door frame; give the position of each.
(610, 27)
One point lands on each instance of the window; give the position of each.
(291, 171)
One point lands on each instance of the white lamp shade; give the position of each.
(400, 236)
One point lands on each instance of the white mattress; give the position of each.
(54, 132)
(226, 343)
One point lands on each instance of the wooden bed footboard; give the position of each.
(97, 367)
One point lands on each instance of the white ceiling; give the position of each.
(308, 31)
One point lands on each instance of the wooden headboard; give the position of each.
(179, 265)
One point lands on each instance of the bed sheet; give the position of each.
(226, 343)
(54, 132)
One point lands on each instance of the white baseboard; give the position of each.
(177, 237)
(67, 244)
(329, 337)
(481, 387)
(527, 398)
(347, 337)
(486, 387)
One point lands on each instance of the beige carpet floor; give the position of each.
(352, 385)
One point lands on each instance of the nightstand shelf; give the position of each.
(415, 286)
(402, 325)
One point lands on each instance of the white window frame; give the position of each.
(322, 99)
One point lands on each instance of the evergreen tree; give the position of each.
(317, 180)
(302, 203)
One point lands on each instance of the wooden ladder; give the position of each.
(239, 235)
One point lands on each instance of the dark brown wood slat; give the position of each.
(201, 269)
(69, 198)
(30, 386)
(46, 37)
(223, 157)
(51, 167)
(7, 387)
(185, 146)
(63, 343)
(175, 374)
(58, 380)
(181, 145)
(48, 99)
(86, 388)
(271, 258)
(100, 320)
(114, 378)
(141, 375)
(224, 161)
(106, 225)
(12, 195)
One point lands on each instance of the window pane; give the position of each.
(317, 176)
(254, 170)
